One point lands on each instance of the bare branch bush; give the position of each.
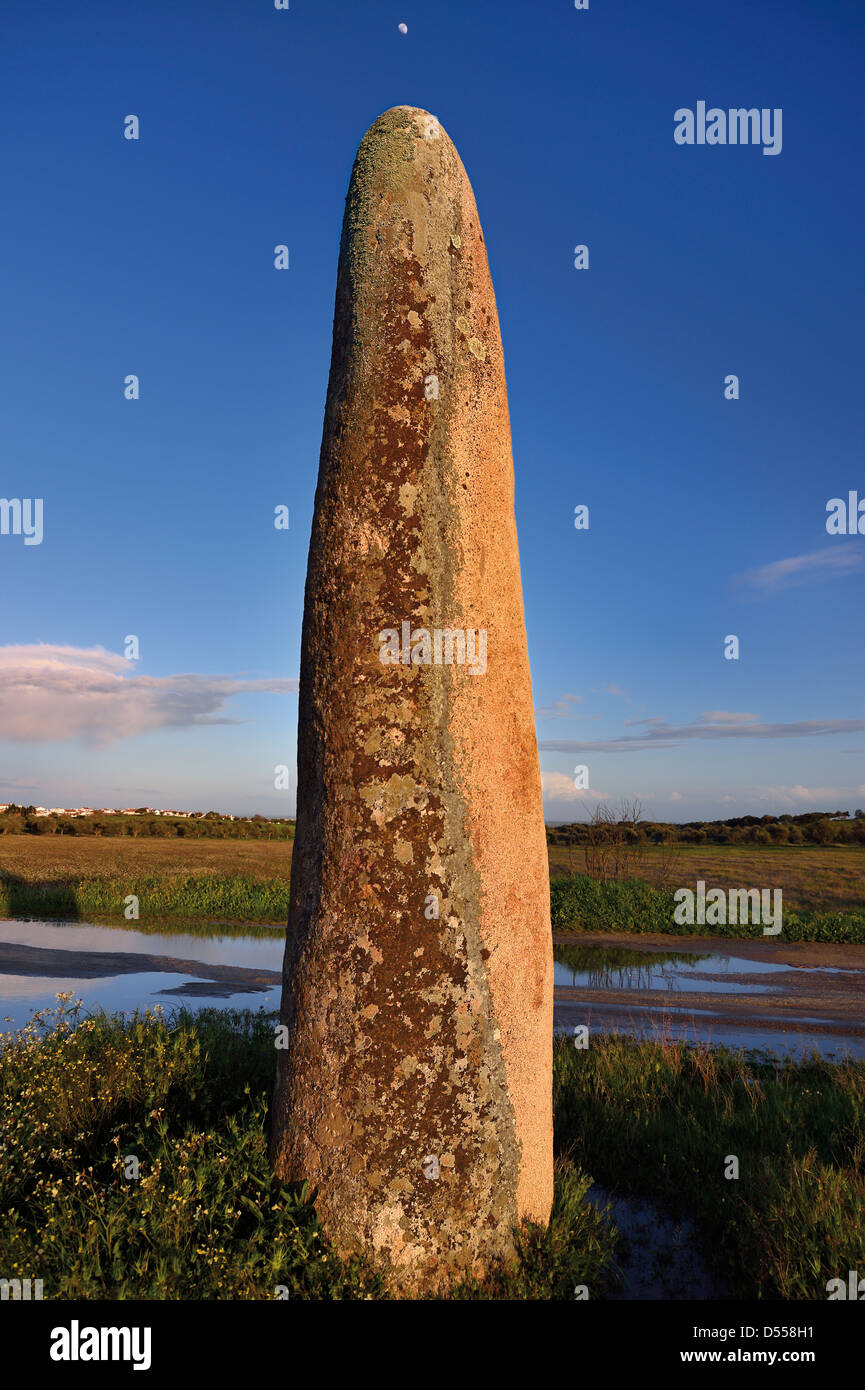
(617, 847)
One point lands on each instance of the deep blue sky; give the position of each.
(155, 257)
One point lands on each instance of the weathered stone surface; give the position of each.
(418, 1045)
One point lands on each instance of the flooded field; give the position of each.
(779, 1000)
(121, 970)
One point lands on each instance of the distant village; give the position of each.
(136, 821)
(113, 811)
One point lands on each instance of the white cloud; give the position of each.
(16, 785)
(833, 798)
(817, 565)
(722, 716)
(54, 692)
(558, 786)
(661, 735)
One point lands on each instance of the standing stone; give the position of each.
(415, 1093)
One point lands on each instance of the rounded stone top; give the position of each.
(413, 120)
(409, 193)
(413, 110)
(403, 136)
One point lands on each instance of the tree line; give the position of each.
(624, 826)
(809, 828)
(23, 820)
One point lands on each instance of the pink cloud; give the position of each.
(52, 693)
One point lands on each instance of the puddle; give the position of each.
(754, 997)
(710, 1031)
(99, 965)
(255, 952)
(594, 967)
(121, 970)
(658, 1257)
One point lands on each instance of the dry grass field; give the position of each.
(38, 858)
(814, 877)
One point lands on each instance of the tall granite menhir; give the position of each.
(415, 1093)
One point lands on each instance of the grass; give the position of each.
(64, 858)
(204, 1219)
(660, 1120)
(630, 905)
(812, 878)
(241, 883)
(246, 906)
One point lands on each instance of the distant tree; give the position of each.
(822, 831)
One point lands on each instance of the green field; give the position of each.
(582, 904)
(244, 884)
(204, 1218)
(818, 878)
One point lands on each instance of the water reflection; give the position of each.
(771, 1024)
(600, 967)
(121, 971)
